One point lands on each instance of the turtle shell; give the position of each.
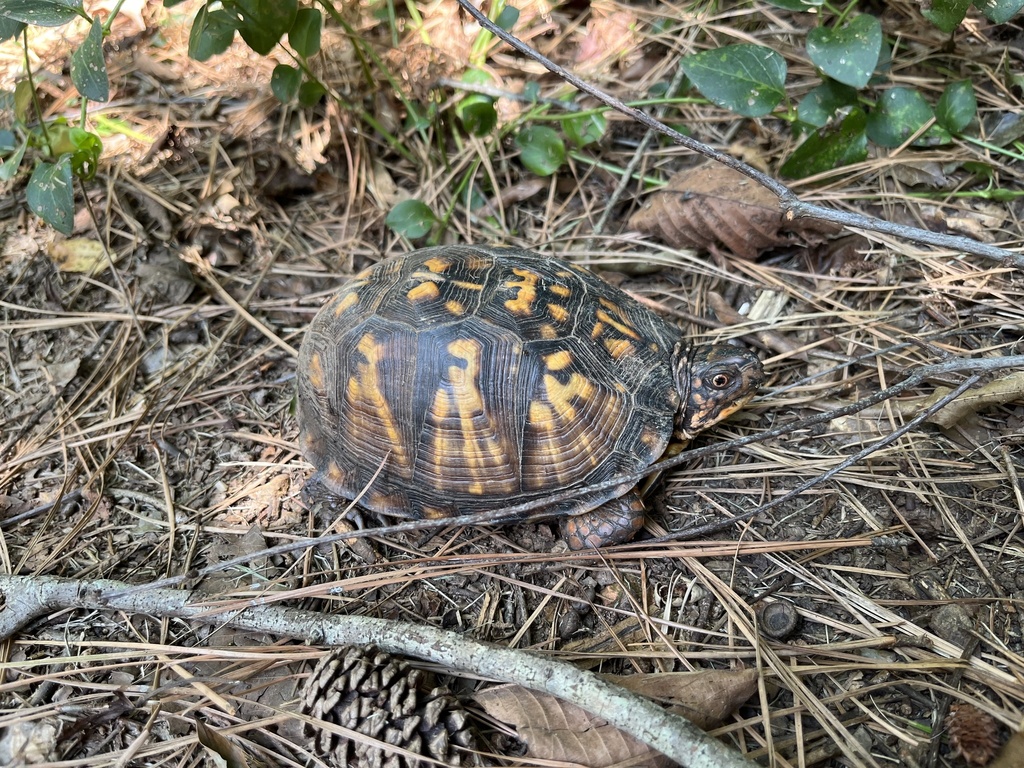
(460, 379)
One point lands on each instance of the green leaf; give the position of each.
(818, 106)
(10, 165)
(82, 146)
(825, 150)
(946, 14)
(848, 54)
(411, 219)
(22, 101)
(747, 79)
(8, 141)
(477, 115)
(542, 150)
(304, 36)
(212, 33)
(10, 28)
(507, 18)
(88, 69)
(957, 106)
(797, 5)
(50, 196)
(264, 22)
(310, 93)
(585, 129)
(899, 114)
(284, 82)
(999, 11)
(42, 13)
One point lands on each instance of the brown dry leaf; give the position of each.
(711, 205)
(610, 36)
(554, 729)
(704, 698)
(224, 751)
(1012, 755)
(79, 254)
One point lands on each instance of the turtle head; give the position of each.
(715, 381)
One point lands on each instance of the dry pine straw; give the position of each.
(148, 430)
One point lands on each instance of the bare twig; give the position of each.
(790, 203)
(29, 597)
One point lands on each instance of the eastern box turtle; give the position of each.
(462, 379)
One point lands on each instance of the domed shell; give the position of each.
(460, 379)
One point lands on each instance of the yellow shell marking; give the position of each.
(548, 331)
(316, 373)
(425, 291)
(556, 361)
(346, 303)
(562, 396)
(526, 292)
(455, 307)
(436, 264)
(618, 348)
(621, 327)
(561, 290)
(335, 475)
(481, 452)
(364, 387)
(558, 312)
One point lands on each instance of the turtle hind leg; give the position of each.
(613, 522)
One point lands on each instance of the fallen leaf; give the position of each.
(554, 729)
(712, 205)
(609, 37)
(223, 751)
(79, 254)
(706, 698)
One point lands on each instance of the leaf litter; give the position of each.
(150, 432)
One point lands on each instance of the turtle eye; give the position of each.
(721, 380)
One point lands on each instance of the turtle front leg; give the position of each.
(613, 522)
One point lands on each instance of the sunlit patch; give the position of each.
(426, 291)
(558, 312)
(526, 292)
(556, 361)
(437, 265)
(346, 303)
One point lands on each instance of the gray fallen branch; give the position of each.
(26, 598)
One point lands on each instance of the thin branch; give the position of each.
(29, 597)
(791, 204)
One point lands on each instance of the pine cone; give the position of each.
(368, 691)
(973, 734)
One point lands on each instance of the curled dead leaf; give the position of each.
(714, 206)
(79, 254)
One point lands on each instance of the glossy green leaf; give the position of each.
(304, 36)
(264, 22)
(820, 103)
(585, 129)
(9, 165)
(747, 79)
(411, 219)
(10, 28)
(825, 150)
(900, 113)
(50, 195)
(541, 149)
(999, 11)
(848, 54)
(212, 33)
(311, 93)
(284, 82)
(88, 67)
(476, 113)
(42, 13)
(957, 106)
(945, 14)
(507, 18)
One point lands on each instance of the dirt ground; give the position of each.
(149, 426)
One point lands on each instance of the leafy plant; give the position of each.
(60, 152)
(848, 108)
